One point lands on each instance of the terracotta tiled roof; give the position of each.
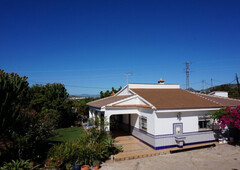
(174, 99)
(105, 101)
(222, 101)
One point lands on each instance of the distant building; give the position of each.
(219, 93)
(76, 98)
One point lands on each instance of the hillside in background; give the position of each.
(85, 95)
(230, 88)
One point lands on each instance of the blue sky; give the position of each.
(89, 45)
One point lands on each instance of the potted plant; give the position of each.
(52, 163)
(96, 165)
(77, 165)
(85, 165)
(86, 158)
(69, 166)
(78, 161)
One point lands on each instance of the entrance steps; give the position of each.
(134, 149)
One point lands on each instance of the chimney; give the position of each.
(161, 81)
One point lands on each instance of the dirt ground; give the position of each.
(221, 157)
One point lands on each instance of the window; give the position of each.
(204, 123)
(143, 123)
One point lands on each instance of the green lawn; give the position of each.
(67, 134)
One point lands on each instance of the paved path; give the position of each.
(221, 157)
(133, 148)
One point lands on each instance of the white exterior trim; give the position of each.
(186, 110)
(154, 86)
(122, 91)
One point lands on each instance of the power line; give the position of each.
(70, 70)
(224, 82)
(194, 83)
(87, 87)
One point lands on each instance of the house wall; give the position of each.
(219, 93)
(140, 134)
(160, 126)
(164, 121)
(130, 101)
(165, 137)
(135, 121)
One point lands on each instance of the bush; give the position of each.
(17, 165)
(229, 117)
(95, 144)
(65, 152)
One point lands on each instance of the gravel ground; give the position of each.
(221, 157)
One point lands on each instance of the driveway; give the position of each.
(221, 157)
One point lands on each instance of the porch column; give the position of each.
(91, 113)
(107, 127)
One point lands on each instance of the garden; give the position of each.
(229, 120)
(37, 129)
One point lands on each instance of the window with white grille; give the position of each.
(204, 123)
(143, 123)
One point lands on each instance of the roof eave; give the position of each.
(186, 109)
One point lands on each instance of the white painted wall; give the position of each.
(130, 101)
(150, 119)
(135, 120)
(122, 111)
(124, 91)
(219, 93)
(164, 121)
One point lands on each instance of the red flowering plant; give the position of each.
(53, 162)
(231, 118)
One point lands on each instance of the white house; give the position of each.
(219, 93)
(162, 115)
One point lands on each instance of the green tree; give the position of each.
(51, 100)
(81, 106)
(109, 93)
(218, 114)
(28, 116)
(13, 100)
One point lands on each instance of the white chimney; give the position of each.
(161, 81)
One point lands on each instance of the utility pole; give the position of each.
(187, 70)
(238, 85)
(127, 74)
(211, 83)
(203, 85)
